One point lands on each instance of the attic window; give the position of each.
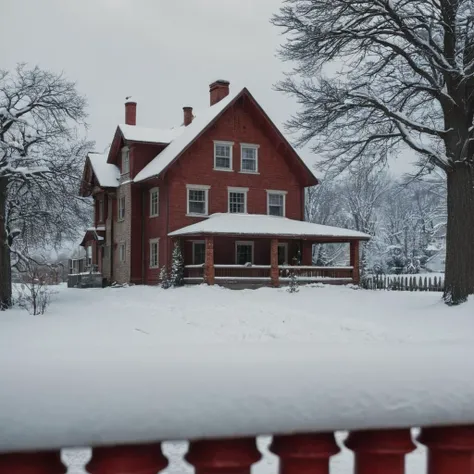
(249, 158)
(223, 156)
(125, 160)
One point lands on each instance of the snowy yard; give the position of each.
(126, 318)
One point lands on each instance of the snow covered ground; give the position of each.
(319, 315)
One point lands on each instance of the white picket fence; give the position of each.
(403, 283)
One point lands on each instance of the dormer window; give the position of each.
(125, 160)
(249, 158)
(223, 156)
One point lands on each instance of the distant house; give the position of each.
(226, 184)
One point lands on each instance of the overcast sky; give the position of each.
(164, 53)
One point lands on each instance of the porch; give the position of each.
(250, 251)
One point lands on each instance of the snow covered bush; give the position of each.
(177, 266)
(164, 278)
(293, 286)
(35, 293)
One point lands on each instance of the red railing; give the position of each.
(450, 451)
(193, 272)
(313, 273)
(242, 272)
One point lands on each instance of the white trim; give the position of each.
(285, 245)
(237, 189)
(150, 243)
(197, 187)
(254, 147)
(244, 242)
(194, 242)
(279, 193)
(151, 191)
(231, 146)
(244, 191)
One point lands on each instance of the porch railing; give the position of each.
(242, 272)
(314, 273)
(299, 393)
(193, 272)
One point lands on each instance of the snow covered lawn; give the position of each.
(126, 317)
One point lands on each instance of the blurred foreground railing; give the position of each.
(221, 397)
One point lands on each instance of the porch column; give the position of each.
(354, 261)
(209, 274)
(274, 271)
(307, 253)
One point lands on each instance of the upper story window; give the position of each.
(248, 158)
(198, 199)
(276, 201)
(237, 200)
(101, 210)
(125, 160)
(154, 202)
(223, 156)
(121, 208)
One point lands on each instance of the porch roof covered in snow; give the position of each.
(93, 233)
(259, 225)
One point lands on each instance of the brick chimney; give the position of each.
(188, 115)
(218, 90)
(131, 113)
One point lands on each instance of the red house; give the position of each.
(226, 184)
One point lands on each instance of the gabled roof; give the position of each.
(258, 224)
(180, 144)
(149, 135)
(198, 126)
(108, 175)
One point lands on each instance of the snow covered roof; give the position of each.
(193, 391)
(108, 175)
(259, 224)
(181, 142)
(150, 135)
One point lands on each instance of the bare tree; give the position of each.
(405, 77)
(40, 164)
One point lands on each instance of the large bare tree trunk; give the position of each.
(459, 282)
(5, 267)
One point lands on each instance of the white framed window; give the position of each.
(121, 208)
(223, 156)
(243, 252)
(101, 210)
(248, 158)
(198, 199)
(125, 160)
(276, 202)
(237, 198)
(122, 252)
(154, 253)
(282, 254)
(199, 252)
(154, 202)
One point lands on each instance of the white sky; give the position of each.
(164, 53)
